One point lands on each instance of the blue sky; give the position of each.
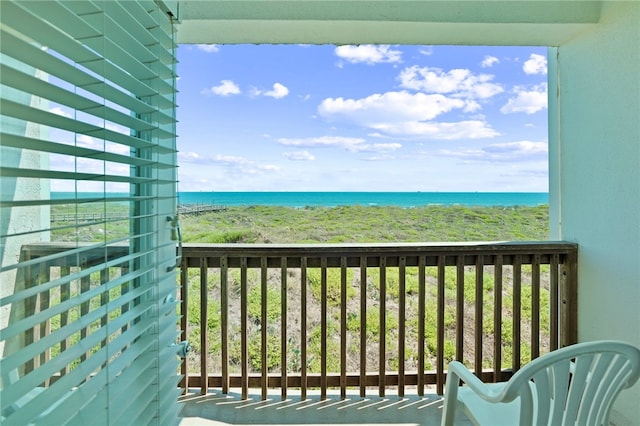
(362, 118)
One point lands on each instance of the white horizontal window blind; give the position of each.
(87, 174)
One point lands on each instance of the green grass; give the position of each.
(273, 224)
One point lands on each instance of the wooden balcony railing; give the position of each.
(302, 316)
(355, 316)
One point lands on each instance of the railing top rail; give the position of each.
(376, 249)
(74, 254)
(525, 252)
(190, 250)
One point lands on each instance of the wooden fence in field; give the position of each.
(183, 209)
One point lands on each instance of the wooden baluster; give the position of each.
(402, 271)
(382, 342)
(323, 328)
(303, 328)
(244, 353)
(204, 332)
(535, 307)
(440, 327)
(45, 301)
(477, 351)
(517, 301)
(569, 298)
(29, 306)
(460, 307)
(124, 289)
(224, 322)
(104, 301)
(497, 320)
(263, 326)
(65, 291)
(85, 285)
(421, 322)
(284, 381)
(184, 320)
(343, 327)
(554, 302)
(363, 326)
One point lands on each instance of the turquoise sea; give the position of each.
(332, 199)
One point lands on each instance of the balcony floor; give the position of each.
(219, 409)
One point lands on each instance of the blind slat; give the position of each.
(25, 82)
(14, 361)
(96, 389)
(36, 319)
(82, 198)
(53, 174)
(40, 59)
(23, 142)
(35, 406)
(35, 115)
(48, 369)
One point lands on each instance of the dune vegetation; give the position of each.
(353, 224)
(359, 224)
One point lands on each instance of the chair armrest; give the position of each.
(483, 390)
(456, 372)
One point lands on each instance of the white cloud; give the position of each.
(60, 111)
(403, 114)
(457, 82)
(527, 101)
(114, 127)
(346, 143)
(536, 64)
(189, 157)
(471, 129)
(489, 61)
(231, 159)
(369, 54)
(241, 166)
(519, 151)
(278, 91)
(389, 107)
(471, 106)
(209, 48)
(379, 158)
(323, 141)
(377, 147)
(86, 141)
(268, 167)
(426, 51)
(225, 88)
(299, 156)
(117, 148)
(233, 165)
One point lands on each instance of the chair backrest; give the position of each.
(574, 385)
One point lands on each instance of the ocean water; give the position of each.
(333, 199)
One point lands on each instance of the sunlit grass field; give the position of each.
(354, 224)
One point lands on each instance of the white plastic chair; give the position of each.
(575, 385)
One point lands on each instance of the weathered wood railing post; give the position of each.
(569, 300)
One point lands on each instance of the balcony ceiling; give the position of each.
(514, 22)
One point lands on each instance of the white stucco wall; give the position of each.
(33, 219)
(596, 138)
